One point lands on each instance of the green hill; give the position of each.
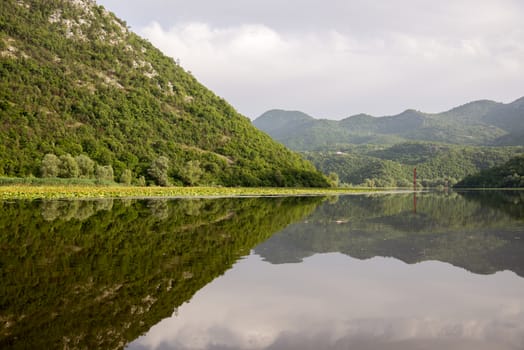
(75, 81)
(509, 174)
(476, 123)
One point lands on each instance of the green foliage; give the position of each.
(436, 164)
(141, 181)
(127, 177)
(81, 84)
(158, 171)
(86, 166)
(374, 152)
(507, 175)
(50, 166)
(191, 172)
(360, 170)
(68, 167)
(104, 173)
(333, 179)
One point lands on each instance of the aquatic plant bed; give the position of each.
(79, 191)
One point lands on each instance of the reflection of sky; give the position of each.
(332, 301)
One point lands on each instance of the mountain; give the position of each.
(76, 82)
(509, 117)
(509, 174)
(476, 123)
(280, 122)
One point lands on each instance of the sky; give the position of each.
(336, 58)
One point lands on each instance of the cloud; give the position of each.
(414, 58)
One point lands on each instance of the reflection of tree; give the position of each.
(453, 228)
(510, 202)
(97, 274)
(69, 210)
(103, 204)
(51, 210)
(159, 208)
(193, 207)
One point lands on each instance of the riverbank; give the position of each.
(21, 191)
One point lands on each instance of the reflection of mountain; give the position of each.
(482, 233)
(98, 274)
(510, 202)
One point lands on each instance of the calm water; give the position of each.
(355, 272)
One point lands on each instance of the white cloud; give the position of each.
(335, 72)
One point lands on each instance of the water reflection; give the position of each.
(332, 301)
(97, 274)
(479, 231)
(367, 272)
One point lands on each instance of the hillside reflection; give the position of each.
(482, 232)
(97, 274)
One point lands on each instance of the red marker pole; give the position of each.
(415, 190)
(415, 179)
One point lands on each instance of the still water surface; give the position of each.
(354, 272)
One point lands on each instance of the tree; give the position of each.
(141, 181)
(86, 166)
(158, 171)
(50, 165)
(192, 172)
(333, 179)
(126, 177)
(104, 173)
(68, 167)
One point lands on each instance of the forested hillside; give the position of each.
(392, 166)
(83, 96)
(383, 151)
(509, 174)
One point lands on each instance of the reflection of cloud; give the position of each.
(357, 334)
(334, 302)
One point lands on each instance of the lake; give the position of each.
(381, 271)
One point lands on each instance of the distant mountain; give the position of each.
(476, 123)
(510, 118)
(75, 80)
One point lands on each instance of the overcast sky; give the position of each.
(335, 58)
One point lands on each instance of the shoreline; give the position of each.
(32, 191)
(99, 192)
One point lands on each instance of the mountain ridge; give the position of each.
(481, 122)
